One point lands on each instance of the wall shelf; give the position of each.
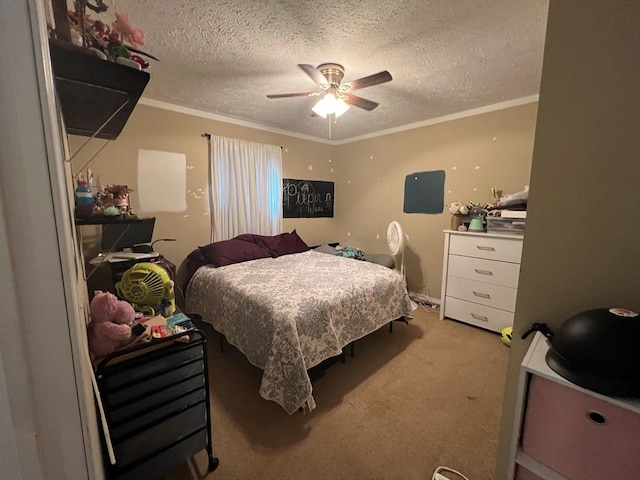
(92, 90)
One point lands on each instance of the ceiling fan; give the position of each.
(335, 96)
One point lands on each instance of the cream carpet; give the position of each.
(428, 394)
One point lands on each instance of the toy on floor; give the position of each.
(506, 335)
(110, 326)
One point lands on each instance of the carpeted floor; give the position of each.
(428, 394)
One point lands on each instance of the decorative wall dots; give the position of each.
(310, 167)
(371, 157)
(494, 139)
(329, 160)
(378, 236)
(206, 214)
(348, 181)
(477, 167)
(454, 168)
(475, 189)
(185, 216)
(331, 170)
(348, 234)
(448, 191)
(190, 167)
(286, 150)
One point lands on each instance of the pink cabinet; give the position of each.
(563, 431)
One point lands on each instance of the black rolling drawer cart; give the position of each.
(156, 403)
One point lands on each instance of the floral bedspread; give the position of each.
(290, 313)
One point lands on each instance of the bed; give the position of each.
(290, 312)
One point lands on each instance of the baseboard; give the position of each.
(422, 298)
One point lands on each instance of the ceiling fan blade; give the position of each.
(285, 95)
(375, 79)
(314, 73)
(359, 102)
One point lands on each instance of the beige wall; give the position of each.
(478, 152)
(581, 247)
(159, 129)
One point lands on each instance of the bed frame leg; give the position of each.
(353, 349)
(221, 342)
(391, 326)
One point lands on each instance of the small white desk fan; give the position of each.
(396, 241)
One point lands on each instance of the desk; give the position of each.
(107, 273)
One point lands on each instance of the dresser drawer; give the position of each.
(478, 315)
(578, 435)
(489, 271)
(495, 296)
(504, 249)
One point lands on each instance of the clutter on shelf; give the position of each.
(116, 42)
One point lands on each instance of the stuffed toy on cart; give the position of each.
(110, 325)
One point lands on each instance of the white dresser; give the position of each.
(480, 278)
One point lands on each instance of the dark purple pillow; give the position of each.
(291, 243)
(269, 243)
(232, 251)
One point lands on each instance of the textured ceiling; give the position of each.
(445, 56)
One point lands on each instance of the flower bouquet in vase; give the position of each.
(457, 210)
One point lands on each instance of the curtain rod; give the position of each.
(208, 136)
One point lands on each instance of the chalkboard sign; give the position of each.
(424, 192)
(306, 198)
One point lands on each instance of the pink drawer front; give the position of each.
(578, 435)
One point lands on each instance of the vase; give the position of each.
(456, 221)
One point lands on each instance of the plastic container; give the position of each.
(507, 226)
(83, 193)
(477, 214)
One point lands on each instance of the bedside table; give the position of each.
(563, 431)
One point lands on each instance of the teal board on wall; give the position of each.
(424, 192)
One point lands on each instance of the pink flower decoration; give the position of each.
(130, 34)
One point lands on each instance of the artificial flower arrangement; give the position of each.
(113, 200)
(458, 208)
(120, 40)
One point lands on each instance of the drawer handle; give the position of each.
(480, 317)
(484, 272)
(488, 249)
(597, 418)
(482, 295)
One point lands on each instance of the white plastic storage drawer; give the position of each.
(491, 248)
(489, 271)
(578, 435)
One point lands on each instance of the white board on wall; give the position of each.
(162, 181)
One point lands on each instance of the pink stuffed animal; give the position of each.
(110, 326)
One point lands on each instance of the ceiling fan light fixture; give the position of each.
(329, 104)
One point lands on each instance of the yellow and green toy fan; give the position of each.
(146, 286)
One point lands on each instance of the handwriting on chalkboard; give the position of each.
(307, 198)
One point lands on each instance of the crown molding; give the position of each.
(149, 102)
(432, 121)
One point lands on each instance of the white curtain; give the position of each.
(246, 188)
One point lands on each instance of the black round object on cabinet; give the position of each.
(599, 350)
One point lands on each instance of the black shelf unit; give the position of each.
(92, 90)
(156, 402)
(105, 220)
